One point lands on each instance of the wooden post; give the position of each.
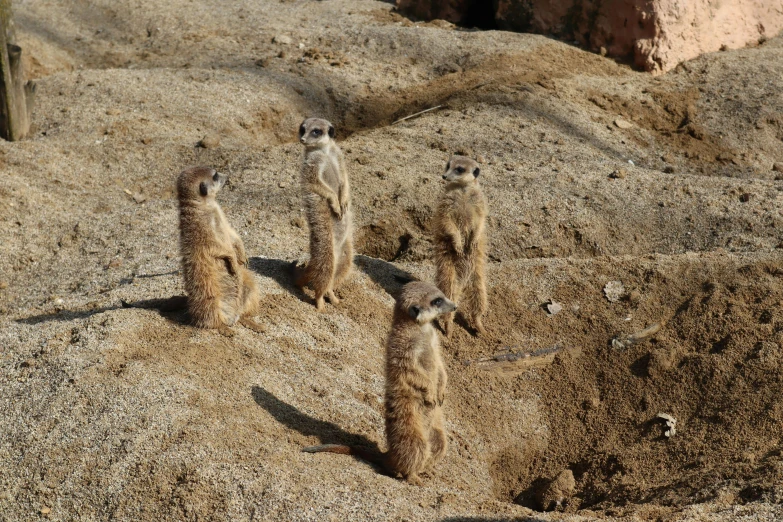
(16, 95)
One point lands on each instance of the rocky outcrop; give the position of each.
(655, 34)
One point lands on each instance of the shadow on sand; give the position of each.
(327, 432)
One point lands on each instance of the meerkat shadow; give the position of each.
(65, 315)
(279, 270)
(327, 432)
(173, 309)
(387, 275)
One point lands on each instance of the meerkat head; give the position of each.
(423, 302)
(461, 170)
(199, 183)
(315, 132)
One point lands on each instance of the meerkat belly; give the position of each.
(343, 228)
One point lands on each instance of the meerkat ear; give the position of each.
(301, 130)
(476, 172)
(202, 188)
(448, 166)
(414, 311)
(331, 131)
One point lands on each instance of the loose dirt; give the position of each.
(130, 414)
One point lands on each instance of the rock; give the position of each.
(745, 197)
(619, 174)
(45, 511)
(777, 167)
(602, 51)
(671, 424)
(623, 124)
(210, 141)
(557, 492)
(614, 291)
(634, 297)
(668, 169)
(113, 112)
(553, 307)
(282, 39)
(3, 285)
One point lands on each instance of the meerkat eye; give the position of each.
(202, 188)
(317, 132)
(460, 170)
(476, 172)
(413, 311)
(301, 131)
(437, 301)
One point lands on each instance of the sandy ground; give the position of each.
(111, 413)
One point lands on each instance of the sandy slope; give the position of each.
(113, 413)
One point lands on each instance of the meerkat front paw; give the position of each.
(332, 298)
(336, 209)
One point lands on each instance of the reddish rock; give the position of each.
(655, 34)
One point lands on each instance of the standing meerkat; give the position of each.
(460, 241)
(220, 289)
(415, 387)
(326, 193)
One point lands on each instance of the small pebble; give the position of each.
(282, 39)
(210, 141)
(623, 124)
(777, 167)
(745, 197)
(619, 174)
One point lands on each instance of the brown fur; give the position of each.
(220, 289)
(415, 386)
(460, 242)
(326, 193)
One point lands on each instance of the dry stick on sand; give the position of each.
(643, 335)
(417, 114)
(510, 361)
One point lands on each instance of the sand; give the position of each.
(593, 172)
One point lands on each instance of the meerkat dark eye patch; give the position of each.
(331, 131)
(317, 132)
(476, 172)
(202, 188)
(448, 166)
(414, 311)
(460, 170)
(301, 131)
(437, 301)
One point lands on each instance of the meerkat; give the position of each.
(415, 387)
(326, 192)
(460, 242)
(220, 289)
